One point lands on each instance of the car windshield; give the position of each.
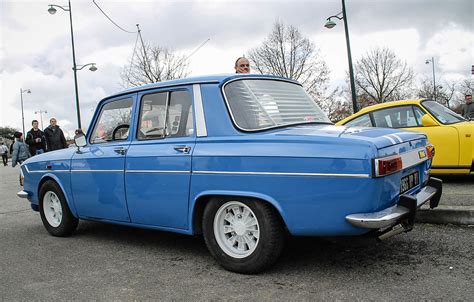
(442, 113)
(258, 104)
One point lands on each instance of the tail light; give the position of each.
(430, 151)
(388, 165)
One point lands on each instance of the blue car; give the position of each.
(244, 160)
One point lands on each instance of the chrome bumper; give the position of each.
(404, 210)
(22, 194)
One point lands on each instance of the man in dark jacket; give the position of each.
(55, 139)
(36, 140)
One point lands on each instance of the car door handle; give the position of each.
(183, 149)
(120, 150)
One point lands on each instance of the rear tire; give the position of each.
(244, 235)
(55, 213)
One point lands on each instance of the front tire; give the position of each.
(244, 235)
(55, 213)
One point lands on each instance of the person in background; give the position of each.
(55, 139)
(20, 150)
(36, 140)
(242, 65)
(4, 152)
(468, 108)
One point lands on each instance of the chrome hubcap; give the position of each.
(52, 209)
(236, 229)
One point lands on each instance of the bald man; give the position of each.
(242, 65)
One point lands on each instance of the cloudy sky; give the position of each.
(35, 47)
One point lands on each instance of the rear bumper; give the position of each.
(404, 211)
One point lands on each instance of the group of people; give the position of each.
(36, 142)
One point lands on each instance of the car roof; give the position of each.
(218, 79)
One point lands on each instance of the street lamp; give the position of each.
(22, 114)
(330, 24)
(52, 10)
(91, 68)
(428, 61)
(41, 116)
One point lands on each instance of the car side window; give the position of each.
(418, 114)
(361, 121)
(114, 116)
(166, 114)
(395, 117)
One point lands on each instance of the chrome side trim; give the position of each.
(47, 171)
(201, 130)
(158, 171)
(283, 174)
(100, 171)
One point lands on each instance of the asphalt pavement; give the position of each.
(109, 262)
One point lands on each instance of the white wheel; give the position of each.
(53, 211)
(236, 229)
(243, 234)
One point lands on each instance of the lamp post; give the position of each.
(68, 8)
(22, 113)
(330, 24)
(428, 61)
(41, 116)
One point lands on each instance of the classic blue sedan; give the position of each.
(241, 159)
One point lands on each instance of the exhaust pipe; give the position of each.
(395, 230)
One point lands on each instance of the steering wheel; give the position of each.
(119, 127)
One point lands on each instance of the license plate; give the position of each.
(409, 181)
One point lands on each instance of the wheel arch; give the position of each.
(200, 201)
(54, 178)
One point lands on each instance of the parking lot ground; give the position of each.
(109, 262)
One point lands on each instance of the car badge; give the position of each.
(422, 154)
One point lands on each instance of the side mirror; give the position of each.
(80, 140)
(428, 121)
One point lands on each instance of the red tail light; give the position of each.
(388, 165)
(430, 151)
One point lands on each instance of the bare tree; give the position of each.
(382, 76)
(286, 53)
(446, 93)
(153, 64)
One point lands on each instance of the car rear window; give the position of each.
(257, 104)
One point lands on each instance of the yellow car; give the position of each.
(451, 134)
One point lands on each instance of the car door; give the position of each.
(158, 163)
(97, 170)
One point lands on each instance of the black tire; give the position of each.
(67, 223)
(270, 243)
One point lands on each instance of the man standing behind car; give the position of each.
(55, 139)
(36, 140)
(242, 65)
(468, 108)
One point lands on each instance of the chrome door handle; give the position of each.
(120, 150)
(183, 149)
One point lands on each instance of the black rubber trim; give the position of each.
(451, 167)
(410, 203)
(438, 184)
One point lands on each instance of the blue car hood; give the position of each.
(380, 137)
